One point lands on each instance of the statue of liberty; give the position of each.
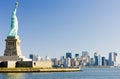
(14, 23)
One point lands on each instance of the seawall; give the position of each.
(28, 70)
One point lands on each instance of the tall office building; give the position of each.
(112, 58)
(118, 60)
(85, 58)
(62, 59)
(68, 62)
(98, 59)
(85, 53)
(76, 55)
(54, 62)
(34, 57)
(107, 62)
(92, 61)
(103, 61)
(68, 55)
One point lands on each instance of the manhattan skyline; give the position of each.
(52, 28)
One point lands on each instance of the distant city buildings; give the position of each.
(34, 57)
(86, 60)
(83, 60)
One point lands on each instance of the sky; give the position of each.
(54, 27)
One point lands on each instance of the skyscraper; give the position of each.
(98, 61)
(68, 55)
(85, 58)
(63, 62)
(85, 53)
(68, 62)
(103, 61)
(76, 55)
(54, 62)
(92, 61)
(112, 58)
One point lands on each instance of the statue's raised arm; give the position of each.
(16, 6)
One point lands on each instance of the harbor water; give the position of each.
(86, 73)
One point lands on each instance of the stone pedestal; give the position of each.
(12, 47)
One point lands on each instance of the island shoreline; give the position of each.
(30, 70)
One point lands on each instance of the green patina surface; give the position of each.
(14, 23)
